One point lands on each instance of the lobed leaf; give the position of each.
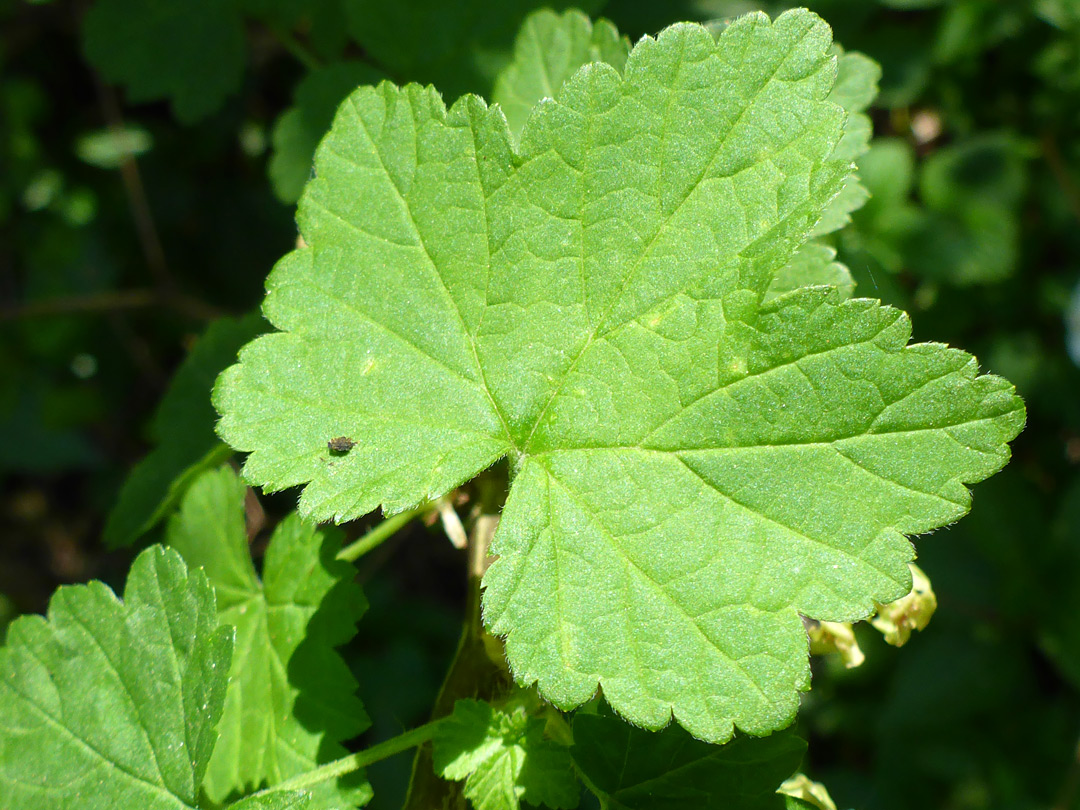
(692, 468)
(291, 699)
(108, 703)
(504, 758)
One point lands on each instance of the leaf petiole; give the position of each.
(361, 759)
(381, 532)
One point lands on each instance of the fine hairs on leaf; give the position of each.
(693, 466)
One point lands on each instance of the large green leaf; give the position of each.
(504, 758)
(632, 769)
(291, 699)
(108, 703)
(692, 469)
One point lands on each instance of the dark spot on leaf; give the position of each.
(342, 444)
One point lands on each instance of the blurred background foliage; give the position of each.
(150, 156)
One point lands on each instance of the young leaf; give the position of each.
(108, 703)
(188, 51)
(504, 758)
(548, 50)
(692, 470)
(631, 769)
(183, 430)
(291, 699)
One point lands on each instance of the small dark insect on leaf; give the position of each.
(342, 444)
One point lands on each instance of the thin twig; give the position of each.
(354, 762)
(112, 301)
(1060, 170)
(136, 195)
(1067, 793)
(381, 532)
(296, 48)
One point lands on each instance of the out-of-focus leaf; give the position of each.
(109, 148)
(190, 52)
(183, 430)
(633, 769)
(970, 230)
(459, 47)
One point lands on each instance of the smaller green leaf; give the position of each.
(298, 131)
(108, 703)
(549, 48)
(291, 699)
(856, 87)
(504, 758)
(632, 769)
(183, 430)
(188, 51)
(851, 198)
(812, 265)
(857, 77)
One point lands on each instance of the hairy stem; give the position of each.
(382, 532)
(361, 759)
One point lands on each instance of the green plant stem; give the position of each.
(1060, 170)
(361, 759)
(298, 51)
(381, 532)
